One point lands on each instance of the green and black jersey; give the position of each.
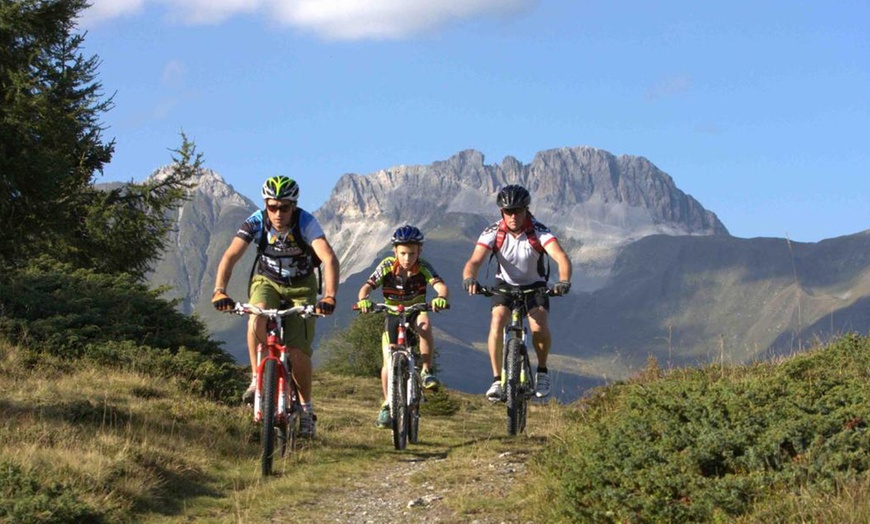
(403, 290)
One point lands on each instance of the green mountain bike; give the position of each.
(517, 380)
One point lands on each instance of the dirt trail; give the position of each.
(412, 491)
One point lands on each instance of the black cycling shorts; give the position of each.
(533, 300)
(391, 326)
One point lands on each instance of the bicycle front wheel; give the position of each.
(269, 405)
(399, 400)
(414, 408)
(515, 398)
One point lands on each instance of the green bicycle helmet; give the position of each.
(281, 188)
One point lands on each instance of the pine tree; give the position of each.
(50, 136)
(51, 150)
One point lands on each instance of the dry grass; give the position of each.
(141, 449)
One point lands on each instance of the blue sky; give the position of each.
(759, 110)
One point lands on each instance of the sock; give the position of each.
(496, 378)
(542, 370)
(307, 407)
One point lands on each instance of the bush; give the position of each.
(24, 499)
(356, 351)
(704, 444)
(198, 373)
(50, 308)
(57, 308)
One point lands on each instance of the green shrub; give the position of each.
(705, 444)
(57, 308)
(25, 500)
(439, 403)
(356, 351)
(54, 310)
(198, 373)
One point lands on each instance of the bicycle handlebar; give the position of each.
(376, 307)
(250, 309)
(489, 291)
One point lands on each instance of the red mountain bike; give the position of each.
(276, 401)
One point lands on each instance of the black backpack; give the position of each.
(296, 231)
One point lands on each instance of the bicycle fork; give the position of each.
(514, 329)
(282, 378)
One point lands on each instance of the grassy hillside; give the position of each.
(781, 442)
(91, 444)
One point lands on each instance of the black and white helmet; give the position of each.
(407, 234)
(513, 197)
(281, 188)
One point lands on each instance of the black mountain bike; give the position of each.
(518, 385)
(276, 402)
(404, 385)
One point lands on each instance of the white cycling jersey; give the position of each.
(517, 259)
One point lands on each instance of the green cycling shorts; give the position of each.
(298, 332)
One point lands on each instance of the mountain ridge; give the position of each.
(611, 200)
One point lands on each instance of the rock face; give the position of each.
(204, 226)
(596, 202)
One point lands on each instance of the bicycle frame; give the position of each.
(276, 400)
(276, 351)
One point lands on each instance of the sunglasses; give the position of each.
(512, 212)
(284, 208)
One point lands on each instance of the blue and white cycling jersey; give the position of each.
(284, 259)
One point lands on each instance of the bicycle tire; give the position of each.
(269, 406)
(514, 396)
(414, 408)
(399, 401)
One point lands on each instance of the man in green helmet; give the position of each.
(285, 270)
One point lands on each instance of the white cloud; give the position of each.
(333, 19)
(107, 9)
(386, 19)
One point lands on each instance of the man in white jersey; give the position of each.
(518, 241)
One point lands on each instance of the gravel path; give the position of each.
(394, 492)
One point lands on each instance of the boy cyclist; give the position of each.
(403, 278)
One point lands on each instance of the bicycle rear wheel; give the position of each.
(399, 401)
(515, 396)
(288, 431)
(527, 389)
(269, 405)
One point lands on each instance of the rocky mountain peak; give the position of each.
(211, 186)
(594, 200)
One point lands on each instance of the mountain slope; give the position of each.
(691, 299)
